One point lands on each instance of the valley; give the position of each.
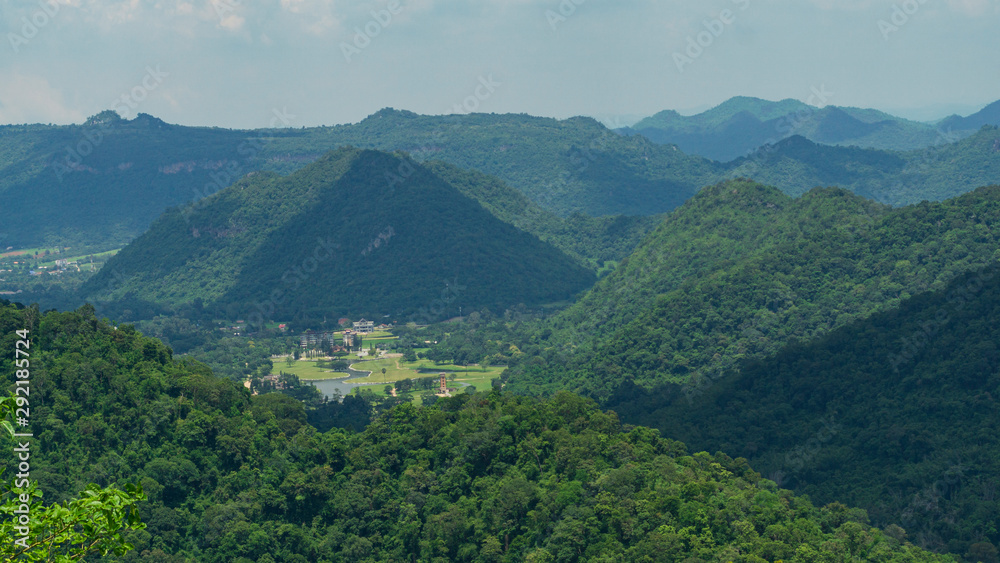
(603, 311)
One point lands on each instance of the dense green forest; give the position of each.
(593, 241)
(939, 172)
(742, 124)
(357, 233)
(896, 413)
(743, 269)
(235, 477)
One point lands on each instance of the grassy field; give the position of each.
(50, 260)
(396, 369)
(478, 379)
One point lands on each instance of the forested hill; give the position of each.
(566, 166)
(357, 233)
(591, 240)
(103, 182)
(743, 269)
(797, 165)
(475, 478)
(896, 413)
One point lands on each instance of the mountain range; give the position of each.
(103, 183)
(741, 125)
(742, 270)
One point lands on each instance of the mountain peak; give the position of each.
(106, 117)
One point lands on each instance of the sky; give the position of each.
(250, 64)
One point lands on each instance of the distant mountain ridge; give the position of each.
(136, 169)
(742, 124)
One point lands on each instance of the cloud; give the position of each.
(31, 99)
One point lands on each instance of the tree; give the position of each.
(92, 524)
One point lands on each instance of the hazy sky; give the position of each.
(236, 63)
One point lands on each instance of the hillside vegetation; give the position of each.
(895, 413)
(337, 238)
(484, 478)
(742, 270)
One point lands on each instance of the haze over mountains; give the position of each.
(103, 183)
(741, 125)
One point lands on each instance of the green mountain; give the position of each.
(574, 165)
(742, 270)
(895, 413)
(989, 115)
(741, 125)
(357, 233)
(591, 240)
(474, 478)
(797, 165)
(101, 184)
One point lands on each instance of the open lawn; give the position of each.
(396, 369)
(478, 379)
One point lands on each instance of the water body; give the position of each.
(343, 386)
(356, 378)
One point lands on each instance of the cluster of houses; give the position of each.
(351, 337)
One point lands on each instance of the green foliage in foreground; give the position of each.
(92, 524)
(474, 478)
